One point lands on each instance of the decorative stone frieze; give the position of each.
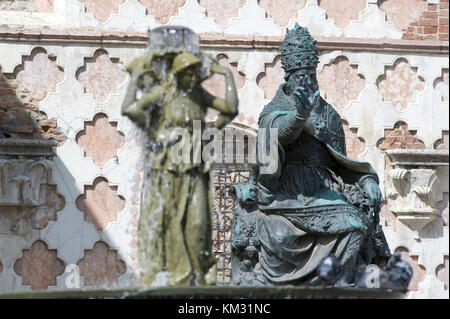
(25, 170)
(21, 181)
(412, 183)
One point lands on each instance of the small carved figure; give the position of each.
(174, 232)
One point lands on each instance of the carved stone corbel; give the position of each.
(25, 169)
(412, 185)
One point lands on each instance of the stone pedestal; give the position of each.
(213, 292)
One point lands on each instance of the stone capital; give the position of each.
(412, 185)
(25, 167)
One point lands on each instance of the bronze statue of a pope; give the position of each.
(318, 202)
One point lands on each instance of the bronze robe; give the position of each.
(313, 205)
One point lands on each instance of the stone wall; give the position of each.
(383, 65)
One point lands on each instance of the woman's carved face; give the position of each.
(189, 77)
(159, 65)
(303, 78)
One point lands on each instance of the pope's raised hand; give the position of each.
(305, 102)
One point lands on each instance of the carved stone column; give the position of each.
(412, 185)
(25, 169)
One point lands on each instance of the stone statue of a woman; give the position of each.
(174, 232)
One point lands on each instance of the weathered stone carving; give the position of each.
(21, 180)
(165, 95)
(412, 184)
(25, 172)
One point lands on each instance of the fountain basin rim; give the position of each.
(211, 292)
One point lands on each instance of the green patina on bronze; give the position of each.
(318, 202)
(174, 232)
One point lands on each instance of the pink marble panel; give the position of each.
(101, 266)
(390, 220)
(271, 78)
(400, 137)
(400, 84)
(54, 203)
(342, 11)
(442, 272)
(162, 10)
(101, 9)
(340, 82)
(100, 139)
(216, 84)
(355, 145)
(101, 76)
(403, 12)
(282, 10)
(419, 270)
(100, 203)
(222, 10)
(39, 266)
(39, 74)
